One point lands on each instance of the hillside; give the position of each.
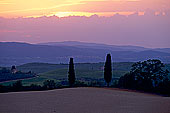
(95, 100)
(59, 72)
(84, 71)
(15, 53)
(95, 46)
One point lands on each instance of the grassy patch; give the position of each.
(59, 72)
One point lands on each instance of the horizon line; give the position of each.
(98, 14)
(83, 42)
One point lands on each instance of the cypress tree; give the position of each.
(71, 73)
(108, 70)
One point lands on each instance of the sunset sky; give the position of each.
(35, 8)
(147, 23)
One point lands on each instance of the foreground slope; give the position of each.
(83, 100)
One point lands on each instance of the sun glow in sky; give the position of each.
(61, 8)
(88, 14)
(149, 30)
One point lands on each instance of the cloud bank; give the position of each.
(148, 30)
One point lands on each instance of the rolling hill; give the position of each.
(95, 46)
(14, 53)
(84, 71)
(59, 72)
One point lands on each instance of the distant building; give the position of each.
(13, 69)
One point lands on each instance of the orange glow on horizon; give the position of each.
(62, 8)
(87, 14)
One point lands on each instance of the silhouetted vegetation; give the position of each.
(13, 74)
(150, 76)
(57, 72)
(71, 73)
(108, 70)
(49, 84)
(17, 86)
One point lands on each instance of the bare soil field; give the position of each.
(83, 100)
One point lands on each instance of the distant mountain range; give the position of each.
(15, 53)
(95, 46)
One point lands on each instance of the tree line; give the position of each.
(7, 74)
(148, 76)
(107, 71)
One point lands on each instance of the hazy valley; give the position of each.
(15, 53)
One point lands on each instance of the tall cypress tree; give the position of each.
(108, 70)
(71, 73)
